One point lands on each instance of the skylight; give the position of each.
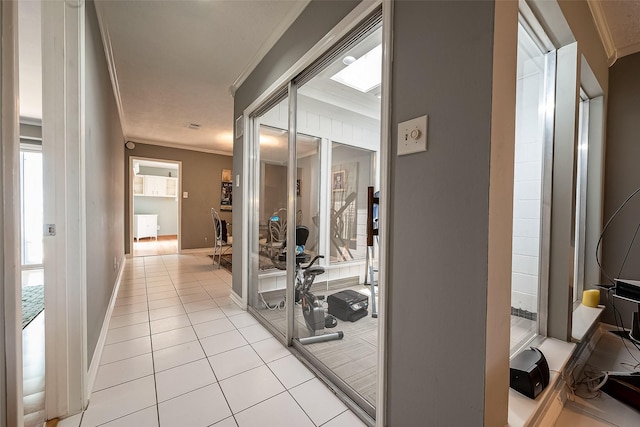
(365, 73)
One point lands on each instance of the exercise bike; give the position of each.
(312, 309)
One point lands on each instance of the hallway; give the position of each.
(179, 352)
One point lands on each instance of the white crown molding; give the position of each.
(179, 146)
(108, 50)
(629, 49)
(292, 15)
(600, 19)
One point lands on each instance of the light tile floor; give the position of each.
(179, 352)
(33, 361)
(163, 245)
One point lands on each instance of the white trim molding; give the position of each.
(97, 354)
(238, 300)
(63, 129)
(600, 19)
(179, 146)
(629, 49)
(11, 406)
(108, 50)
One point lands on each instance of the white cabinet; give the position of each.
(171, 187)
(138, 185)
(155, 186)
(145, 226)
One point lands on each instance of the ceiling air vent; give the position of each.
(194, 126)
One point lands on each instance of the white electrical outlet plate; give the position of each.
(412, 136)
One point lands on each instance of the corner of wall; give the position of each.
(500, 212)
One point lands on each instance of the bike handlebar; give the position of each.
(315, 258)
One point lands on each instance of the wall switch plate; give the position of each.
(412, 136)
(185, 195)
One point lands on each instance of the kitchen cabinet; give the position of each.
(155, 186)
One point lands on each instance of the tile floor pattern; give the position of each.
(179, 352)
(163, 245)
(354, 359)
(33, 374)
(33, 363)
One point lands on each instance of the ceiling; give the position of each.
(175, 61)
(618, 22)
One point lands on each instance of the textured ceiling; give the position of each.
(618, 23)
(624, 22)
(174, 63)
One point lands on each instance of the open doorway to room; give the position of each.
(31, 212)
(33, 333)
(155, 213)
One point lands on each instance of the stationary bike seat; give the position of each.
(314, 270)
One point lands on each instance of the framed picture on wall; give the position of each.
(226, 191)
(298, 187)
(338, 180)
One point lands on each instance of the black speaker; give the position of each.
(529, 373)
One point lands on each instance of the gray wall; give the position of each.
(104, 183)
(312, 24)
(201, 177)
(439, 204)
(622, 178)
(3, 365)
(165, 207)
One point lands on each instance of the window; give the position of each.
(581, 197)
(534, 93)
(31, 204)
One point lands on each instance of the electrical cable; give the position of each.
(604, 229)
(617, 316)
(629, 250)
(271, 307)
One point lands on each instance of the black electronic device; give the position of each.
(529, 372)
(348, 305)
(628, 289)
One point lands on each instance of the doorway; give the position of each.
(316, 148)
(32, 272)
(156, 207)
(33, 338)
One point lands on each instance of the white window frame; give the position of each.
(582, 170)
(533, 28)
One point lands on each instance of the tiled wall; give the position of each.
(278, 280)
(527, 194)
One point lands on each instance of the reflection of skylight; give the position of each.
(365, 73)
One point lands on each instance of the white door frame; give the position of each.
(11, 405)
(63, 87)
(178, 195)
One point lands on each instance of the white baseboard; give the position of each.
(97, 353)
(238, 300)
(196, 251)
